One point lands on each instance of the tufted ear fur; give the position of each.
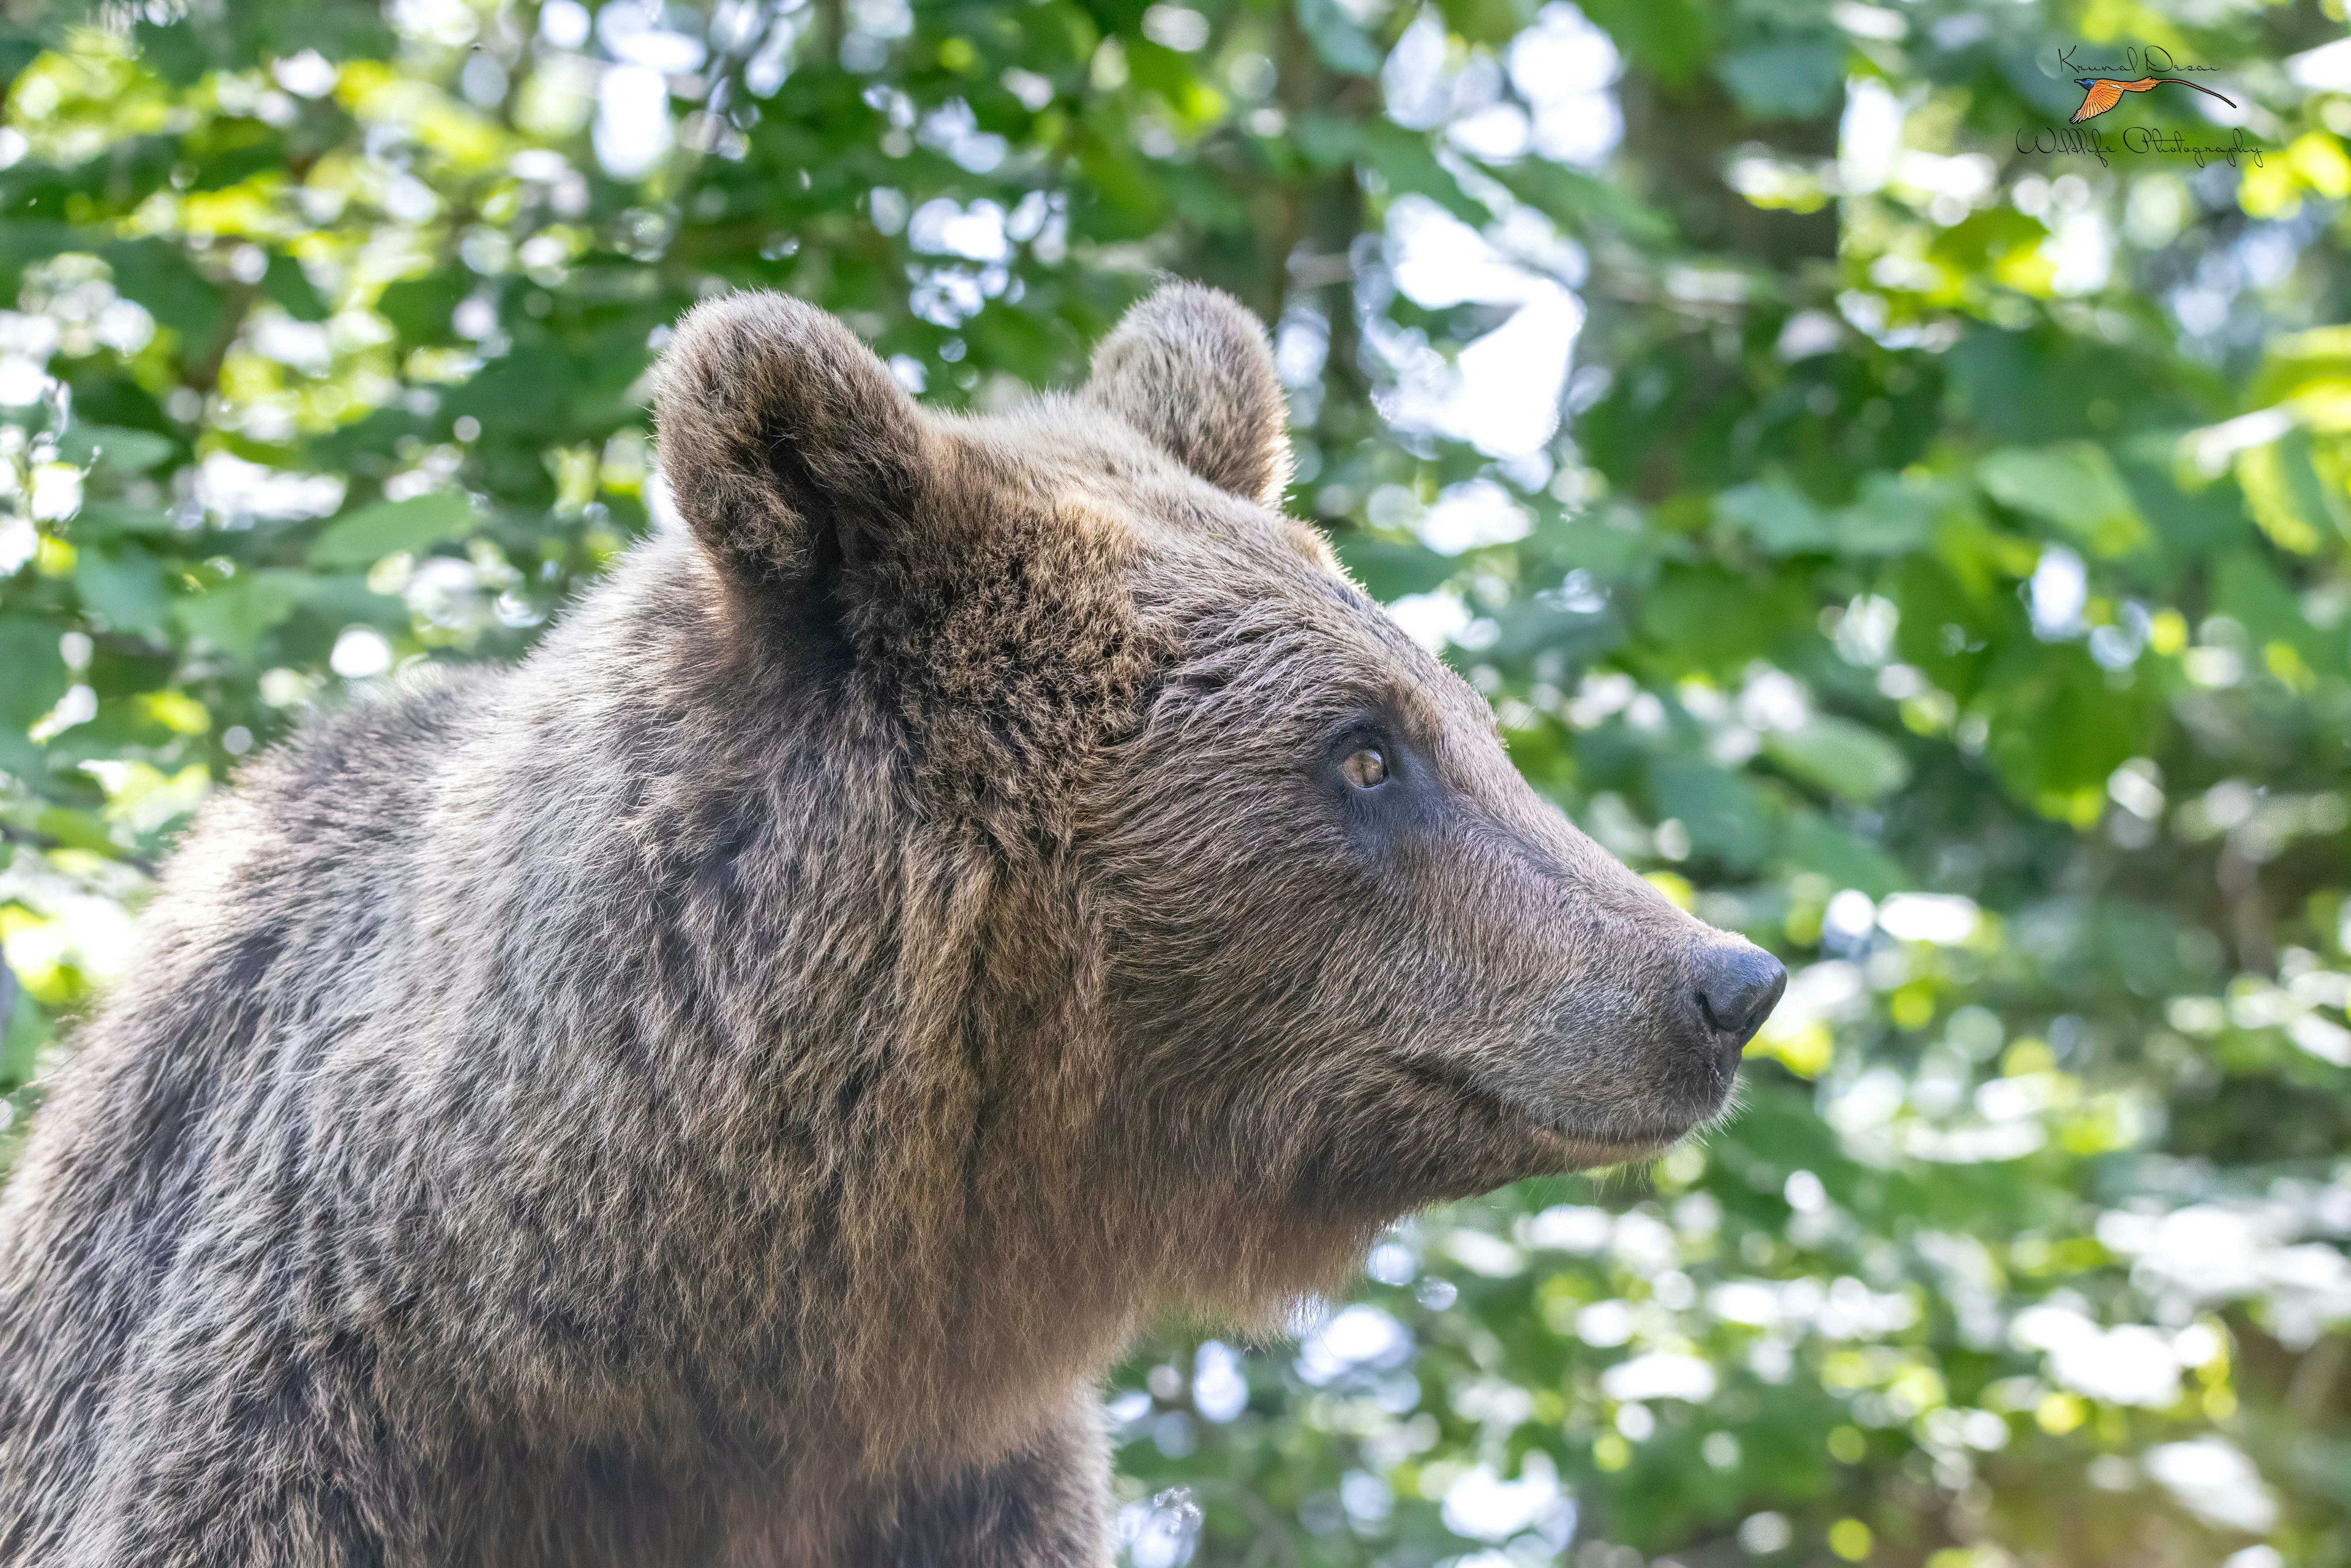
(787, 445)
(1190, 369)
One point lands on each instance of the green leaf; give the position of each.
(1725, 814)
(1706, 619)
(100, 519)
(2073, 486)
(123, 587)
(132, 451)
(2288, 499)
(372, 533)
(19, 47)
(1326, 140)
(1391, 569)
(25, 1031)
(1668, 38)
(2059, 727)
(344, 597)
(1794, 78)
(37, 670)
(1778, 517)
(1129, 199)
(1486, 21)
(26, 241)
(1811, 842)
(1579, 201)
(237, 614)
(419, 308)
(2300, 362)
(1407, 163)
(286, 283)
(1841, 756)
(1338, 40)
(159, 276)
(2246, 589)
(1897, 513)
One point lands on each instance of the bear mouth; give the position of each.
(1528, 1138)
(1593, 1150)
(1654, 1134)
(1585, 1141)
(1586, 1149)
(1577, 1143)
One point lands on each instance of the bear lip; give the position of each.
(1589, 1147)
(1582, 1152)
(1652, 1133)
(1582, 1146)
(1616, 1146)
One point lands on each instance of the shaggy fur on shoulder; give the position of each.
(722, 1092)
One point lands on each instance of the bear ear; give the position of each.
(1190, 369)
(787, 446)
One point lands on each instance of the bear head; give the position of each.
(1339, 958)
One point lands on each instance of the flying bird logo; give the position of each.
(2102, 93)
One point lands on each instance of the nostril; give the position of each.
(1742, 987)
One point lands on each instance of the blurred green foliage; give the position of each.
(1938, 574)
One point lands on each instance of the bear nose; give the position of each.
(1738, 987)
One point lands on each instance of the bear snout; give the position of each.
(1735, 988)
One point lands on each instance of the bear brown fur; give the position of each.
(722, 1092)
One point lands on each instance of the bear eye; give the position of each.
(1366, 768)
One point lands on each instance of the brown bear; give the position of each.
(724, 1091)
